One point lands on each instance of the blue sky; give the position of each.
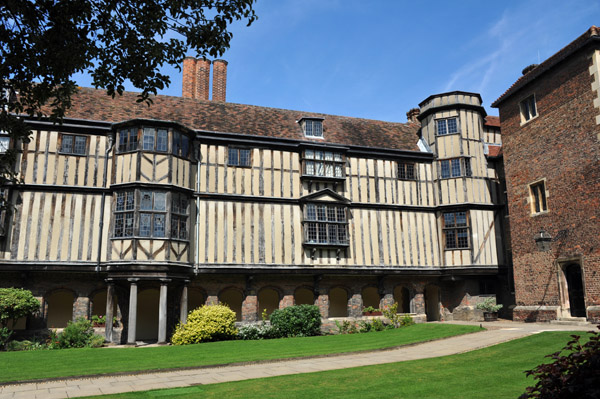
(376, 59)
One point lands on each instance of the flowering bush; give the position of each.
(207, 323)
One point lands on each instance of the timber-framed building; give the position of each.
(142, 213)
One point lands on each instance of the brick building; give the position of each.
(145, 212)
(551, 143)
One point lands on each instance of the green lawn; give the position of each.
(494, 372)
(29, 365)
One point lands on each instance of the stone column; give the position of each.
(108, 328)
(250, 307)
(417, 304)
(323, 303)
(162, 312)
(212, 300)
(287, 300)
(355, 305)
(183, 305)
(81, 307)
(387, 300)
(132, 323)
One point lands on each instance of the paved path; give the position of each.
(497, 332)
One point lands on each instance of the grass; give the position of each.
(494, 372)
(30, 365)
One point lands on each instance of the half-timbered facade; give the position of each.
(142, 213)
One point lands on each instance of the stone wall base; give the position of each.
(535, 313)
(593, 314)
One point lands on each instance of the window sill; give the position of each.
(148, 238)
(239, 166)
(457, 249)
(324, 245)
(542, 213)
(447, 134)
(322, 178)
(523, 122)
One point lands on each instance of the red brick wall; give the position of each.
(219, 80)
(561, 146)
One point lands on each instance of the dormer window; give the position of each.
(312, 127)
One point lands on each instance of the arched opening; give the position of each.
(402, 297)
(432, 303)
(575, 289)
(233, 298)
(338, 302)
(99, 304)
(60, 308)
(268, 299)
(195, 299)
(147, 314)
(370, 297)
(304, 296)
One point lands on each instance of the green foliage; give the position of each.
(372, 325)
(114, 41)
(370, 309)
(297, 321)
(257, 331)
(26, 345)
(346, 327)
(101, 320)
(489, 305)
(79, 334)
(406, 320)
(207, 323)
(14, 304)
(573, 375)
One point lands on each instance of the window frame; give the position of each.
(4, 138)
(180, 217)
(74, 138)
(155, 139)
(130, 142)
(406, 171)
(462, 164)
(446, 121)
(319, 221)
(525, 107)
(538, 197)
(335, 163)
(313, 123)
(238, 151)
(456, 232)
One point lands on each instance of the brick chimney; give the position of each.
(196, 78)
(219, 87)
(412, 115)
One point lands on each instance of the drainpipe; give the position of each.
(103, 200)
(198, 155)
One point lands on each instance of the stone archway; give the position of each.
(402, 297)
(268, 299)
(432, 302)
(233, 298)
(304, 296)
(370, 297)
(338, 302)
(59, 308)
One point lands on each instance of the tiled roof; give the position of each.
(202, 115)
(492, 121)
(494, 151)
(592, 33)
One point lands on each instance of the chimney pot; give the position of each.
(412, 115)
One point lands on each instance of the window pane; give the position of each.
(450, 239)
(174, 227)
(245, 157)
(461, 219)
(333, 234)
(4, 144)
(67, 144)
(185, 145)
(162, 140)
(130, 203)
(309, 154)
(322, 233)
(462, 238)
(80, 144)
(123, 134)
(310, 168)
(318, 154)
(341, 215)
(455, 167)
(445, 168)
(120, 206)
(311, 232)
(317, 128)
(128, 230)
(160, 201)
(329, 170)
(311, 212)
(441, 127)
(145, 219)
(132, 143)
(146, 200)
(467, 163)
(339, 171)
(449, 220)
(321, 213)
(342, 236)
(119, 225)
(452, 127)
(308, 128)
(148, 141)
(328, 156)
(159, 226)
(331, 216)
(233, 157)
(338, 157)
(183, 228)
(320, 169)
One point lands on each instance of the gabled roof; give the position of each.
(324, 195)
(592, 34)
(224, 117)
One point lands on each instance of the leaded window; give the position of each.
(155, 139)
(72, 144)
(528, 108)
(313, 128)
(406, 171)
(456, 230)
(124, 213)
(153, 207)
(320, 163)
(179, 216)
(325, 224)
(128, 139)
(447, 126)
(181, 144)
(455, 167)
(538, 197)
(238, 156)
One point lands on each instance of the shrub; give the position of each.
(257, 331)
(297, 321)
(406, 320)
(489, 305)
(79, 334)
(207, 323)
(574, 375)
(346, 327)
(14, 304)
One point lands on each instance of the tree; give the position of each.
(44, 42)
(14, 304)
